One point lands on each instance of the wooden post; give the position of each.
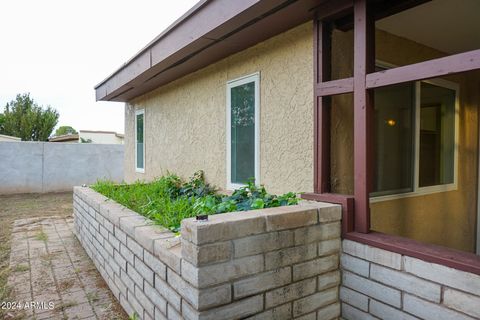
(322, 72)
(364, 62)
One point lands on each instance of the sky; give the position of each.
(58, 50)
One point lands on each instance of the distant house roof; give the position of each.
(4, 137)
(208, 32)
(119, 135)
(64, 138)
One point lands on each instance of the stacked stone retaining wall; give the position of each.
(277, 263)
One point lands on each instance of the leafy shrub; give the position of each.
(249, 197)
(168, 200)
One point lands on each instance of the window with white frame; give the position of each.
(416, 135)
(243, 109)
(139, 141)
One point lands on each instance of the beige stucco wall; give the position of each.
(185, 131)
(445, 218)
(185, 121)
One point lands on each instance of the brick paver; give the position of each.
(52, 277)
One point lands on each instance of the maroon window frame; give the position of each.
(355, 208)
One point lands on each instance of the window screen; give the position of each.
(242, 132)
(139, 141)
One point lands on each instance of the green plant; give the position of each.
(134, 316)
(21, 268)
(197, 187)
(248, 197)
(92, 297)
(168, 200)
(42, 236)
(159, 200)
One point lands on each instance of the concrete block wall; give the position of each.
(37, 167)
(379, 284)
(277, 263)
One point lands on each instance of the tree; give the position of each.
(63, 130)
(25, 119)
(2, 121)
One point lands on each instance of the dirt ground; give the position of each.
(22, 206)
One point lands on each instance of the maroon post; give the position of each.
(322, 69)
(364, 62)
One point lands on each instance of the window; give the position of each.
(437, 135)
(243, 130)
(394, 139)
(139, 141)
(415, 136)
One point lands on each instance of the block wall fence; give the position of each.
(379, 284)
(277, 263)
(39, 167)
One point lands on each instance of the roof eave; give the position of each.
(174, 25)
(210, 31)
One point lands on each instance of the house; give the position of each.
(89, 136)
(369, 104)
(105, 137)
(5, 138)
(71, 138)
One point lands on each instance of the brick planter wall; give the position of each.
(379, 284)
(278, 263)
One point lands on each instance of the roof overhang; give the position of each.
(65, 137)
(210, 31)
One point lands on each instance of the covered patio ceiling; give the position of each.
(454, 27)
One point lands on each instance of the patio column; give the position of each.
(322, 72)
(364, 62)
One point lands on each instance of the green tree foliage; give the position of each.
(25, 119)
(63, 130)
(2, 121)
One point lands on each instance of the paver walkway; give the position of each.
(52, 276)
